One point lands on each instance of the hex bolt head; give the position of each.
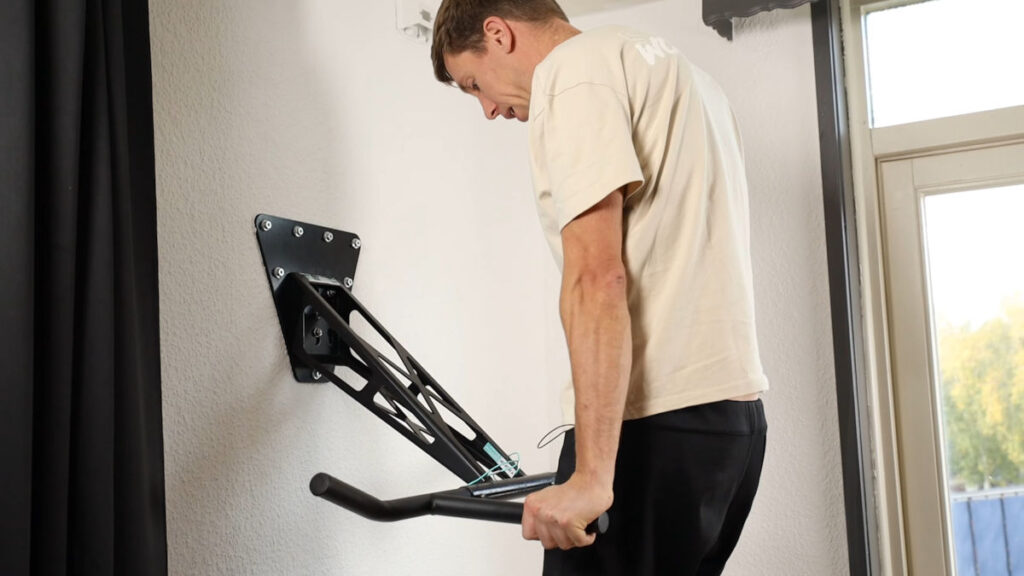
(278, 272)
(356, 243)
(316, 374)
(318, 332)
(298, 231)
(266, 225)
(347, 282)
(328, 236)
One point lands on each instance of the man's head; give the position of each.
(489, 49)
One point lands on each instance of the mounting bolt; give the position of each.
(347, 282)
(266, 225)
(298, 231)
(328, 236)
(318, 332)
(316, 374)
(278, 272)
(356, 243)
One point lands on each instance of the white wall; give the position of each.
(319, 111)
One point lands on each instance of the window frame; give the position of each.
(885, 525)
(841, 239)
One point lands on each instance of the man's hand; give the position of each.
(558, 516)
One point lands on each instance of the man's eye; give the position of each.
(474, 86)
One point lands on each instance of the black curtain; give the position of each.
(718, 14)
(81, 448)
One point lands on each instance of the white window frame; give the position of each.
(869, 146)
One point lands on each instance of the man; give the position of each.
(641, 191)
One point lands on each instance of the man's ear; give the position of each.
(498, 33)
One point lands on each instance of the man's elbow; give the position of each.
(605, 281)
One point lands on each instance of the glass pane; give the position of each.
(944, 58)
(974, 242)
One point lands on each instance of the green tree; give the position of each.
(982, 373)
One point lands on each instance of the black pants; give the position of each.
(684, 483)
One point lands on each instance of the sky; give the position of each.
(975, 243)
(944, 58)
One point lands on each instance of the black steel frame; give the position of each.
(406, 397)
(311, 270)
(480, 502)
(314, 306)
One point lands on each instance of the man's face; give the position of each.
(491, 79)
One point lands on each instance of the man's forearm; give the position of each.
(597, 327)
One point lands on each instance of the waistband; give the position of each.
(723, 417)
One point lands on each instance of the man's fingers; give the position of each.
(580, 537)
(529, 526)
(553, 517)
(563, 539)
(545, 537)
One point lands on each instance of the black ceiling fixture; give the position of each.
(718, 14)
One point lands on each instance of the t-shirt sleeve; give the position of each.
(586, 141)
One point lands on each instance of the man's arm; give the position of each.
(597, 327)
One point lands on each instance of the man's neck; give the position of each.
(538, 40)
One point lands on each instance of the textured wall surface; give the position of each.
(321, 111)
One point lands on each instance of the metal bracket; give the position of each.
(311, 271)
(325, 254)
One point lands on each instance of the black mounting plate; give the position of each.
(327, 254)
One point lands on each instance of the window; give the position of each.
(973, 241)
(944, 58)
(936, 94)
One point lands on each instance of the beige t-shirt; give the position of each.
(614, 107)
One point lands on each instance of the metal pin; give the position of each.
(316, 374)
(298, 231)
(347, 282)
(266, 225)
(356, 243)
(328, 236)
(278, 272)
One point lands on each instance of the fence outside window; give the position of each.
(988, 532)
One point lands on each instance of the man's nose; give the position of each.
(490, 108)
